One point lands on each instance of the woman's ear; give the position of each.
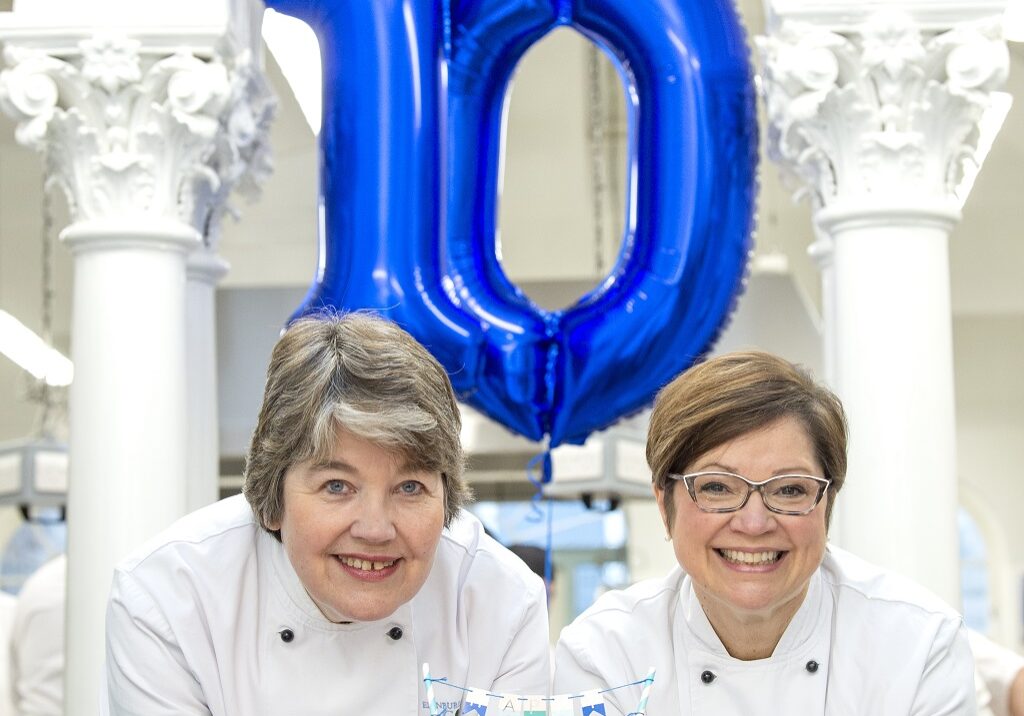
(660, 495)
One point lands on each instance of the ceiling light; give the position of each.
(32, 353)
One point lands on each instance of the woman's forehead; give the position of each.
(777, 442)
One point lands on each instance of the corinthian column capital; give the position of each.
(240, 158)
(884, 110)
(134, 131)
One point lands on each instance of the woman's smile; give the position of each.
(368, 569)
(748, 561)
(367, 564)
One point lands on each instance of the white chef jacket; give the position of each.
(7, 607)
(996, 667)
(881, 646)
(197, 620)
(37, 642)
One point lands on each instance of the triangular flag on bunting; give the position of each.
(593, 704)
(561, 705)
(475, 703)
(509, 704)
(535, 706)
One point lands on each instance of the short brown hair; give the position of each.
(731, 395)
(364, 374)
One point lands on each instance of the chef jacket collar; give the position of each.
(801, 628)
(296, 600)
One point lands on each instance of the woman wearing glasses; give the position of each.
(748, 454)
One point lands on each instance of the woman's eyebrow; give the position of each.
(798, 469)
(337, 465)
(715, 465)
(405, 468)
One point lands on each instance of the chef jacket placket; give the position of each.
(310, 656)
(792, 681)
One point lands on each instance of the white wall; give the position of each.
(249, 322)
(990, 454)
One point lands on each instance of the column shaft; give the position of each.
(203, 458)
(894, 372)
(127, 411)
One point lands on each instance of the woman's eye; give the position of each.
(411, 487)
(715, 488)
(335, 487)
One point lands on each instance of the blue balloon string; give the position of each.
(543, 462)
(547, 549)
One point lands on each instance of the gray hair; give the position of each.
(364, 374)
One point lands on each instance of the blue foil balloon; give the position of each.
(413, 102)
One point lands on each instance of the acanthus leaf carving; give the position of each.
(127, 133)
(29, 93)
(884, 111)
(240, 158)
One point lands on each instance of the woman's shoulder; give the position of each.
(228, 521)
(855, 581)
(619, 637)
(898, 648)
(198, 564)
(631, 612)
(472, 557)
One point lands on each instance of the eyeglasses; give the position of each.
(726, 492)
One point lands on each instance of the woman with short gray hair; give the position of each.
(346, 564)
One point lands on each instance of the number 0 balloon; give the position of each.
(413, 101)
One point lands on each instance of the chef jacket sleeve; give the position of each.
(147, 674)
(526, 665)
(576, 670)
(947, 684)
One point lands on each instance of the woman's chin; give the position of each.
(746, 603)
(356, 610)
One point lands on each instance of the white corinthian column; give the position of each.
(140, 125)
(876, 108)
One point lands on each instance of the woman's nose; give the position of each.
(754, 517)
(373, 522)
